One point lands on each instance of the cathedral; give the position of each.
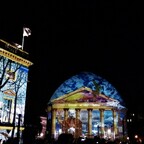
(87, 105)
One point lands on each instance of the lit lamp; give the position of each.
(136, 136)
(109, 132)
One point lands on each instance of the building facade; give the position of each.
(87, 104)
(14, 68)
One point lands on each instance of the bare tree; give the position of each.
(13, 76)
(20, 89)
(6, 66)
(8, 70)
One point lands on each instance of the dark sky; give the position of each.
(105, 38)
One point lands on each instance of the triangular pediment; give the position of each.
(9, 92)
(85, 95)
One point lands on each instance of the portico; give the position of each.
(91, 111)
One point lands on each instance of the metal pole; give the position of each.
(18, 129)
(22, 42)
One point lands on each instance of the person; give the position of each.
(65, 138)
(72, 124)
(3, 136)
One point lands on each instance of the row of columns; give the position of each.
(89, 120)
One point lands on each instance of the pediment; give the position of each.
(9, 92)
(85, 95)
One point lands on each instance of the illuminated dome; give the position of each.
(86, 79)
(96, 104)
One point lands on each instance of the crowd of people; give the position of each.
(68, 138)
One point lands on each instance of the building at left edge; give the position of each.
(14, 68)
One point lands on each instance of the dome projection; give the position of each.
(87, 79)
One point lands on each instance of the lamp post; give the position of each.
(18, 129)
(98, 130)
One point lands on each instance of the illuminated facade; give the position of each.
(96, 104)
(14, 68)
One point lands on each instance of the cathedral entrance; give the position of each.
(70, 124)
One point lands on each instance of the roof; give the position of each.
(86, 80)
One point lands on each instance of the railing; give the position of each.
(11, 48)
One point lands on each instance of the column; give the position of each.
(89, 122)
(53, 122)
(118, 124)
(114, 123)
(77, 113)
(64, 126)
(65, 113)
(102, 122)
(78, 128)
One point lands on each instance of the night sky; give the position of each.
(106, 38)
